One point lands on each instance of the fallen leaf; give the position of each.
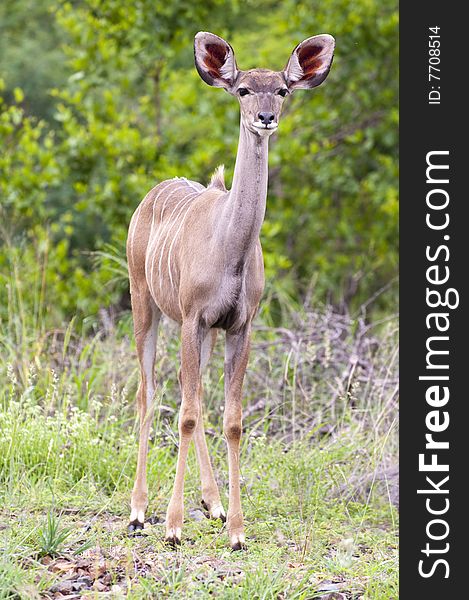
(62, 565)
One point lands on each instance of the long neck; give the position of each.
(245, 208)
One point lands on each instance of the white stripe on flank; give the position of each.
(135, 222)
(136, 218)
(193, 185)
(171, 223)
(166, 227)
(172, 244)
(163, 208)
(183, 181)
(154, 206)
(154, 239)
(170, 182)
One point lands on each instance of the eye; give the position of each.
(283, 92)
(243, 92)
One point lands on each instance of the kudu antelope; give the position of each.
(194, 255)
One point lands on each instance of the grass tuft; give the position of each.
(52, 536)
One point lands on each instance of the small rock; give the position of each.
(63, 587)
(82, 583)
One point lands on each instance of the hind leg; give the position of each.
(146, 317)
(236, 359)
(210, 494)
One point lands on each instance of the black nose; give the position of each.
(266, 117)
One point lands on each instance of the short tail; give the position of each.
(218, 179)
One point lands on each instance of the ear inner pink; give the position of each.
(308, 60)
(214, 59)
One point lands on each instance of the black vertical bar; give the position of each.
(425, 128)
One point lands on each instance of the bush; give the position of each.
(134, 112)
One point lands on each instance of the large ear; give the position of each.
(310, 62)
(215, 60)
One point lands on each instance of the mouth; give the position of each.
(262, 127)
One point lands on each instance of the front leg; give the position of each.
(189, 414)
(236, 359)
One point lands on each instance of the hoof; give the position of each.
(173, 537)
(135, 527)
(238, 542)
(215, 513)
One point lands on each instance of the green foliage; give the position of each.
(52, 535)
(134, 112)
(36, 234)
(30, 53)
(28, 165)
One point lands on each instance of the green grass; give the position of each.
(301, 532)
(318, 464)
(66, 476)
